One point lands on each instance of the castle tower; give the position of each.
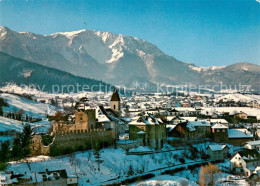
(115, 102)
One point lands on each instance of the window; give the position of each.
(114, 106)
(223, 130)
(217, 130)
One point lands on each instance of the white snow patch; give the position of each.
(201, 69)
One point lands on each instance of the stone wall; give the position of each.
(67, 142)
(37, 148)
(84, 120)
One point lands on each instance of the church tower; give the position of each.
(115, 102)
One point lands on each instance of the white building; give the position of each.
(253, 145)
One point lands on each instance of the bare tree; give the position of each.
(209, 174)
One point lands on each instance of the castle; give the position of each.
(85, 132)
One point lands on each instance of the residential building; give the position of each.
(150, 130)
(239, 136)
(253, 145)
(218, 152)
(245, 162)
(219, 133)
(241, 115)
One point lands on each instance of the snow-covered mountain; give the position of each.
(114, 58)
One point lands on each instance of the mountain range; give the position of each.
(118, 59)
(24, 73)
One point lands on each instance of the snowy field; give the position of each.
(238, 97)
(41, 94)
(114, 163)
(232, 110)
(167, 180)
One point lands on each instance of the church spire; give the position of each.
(115, 96)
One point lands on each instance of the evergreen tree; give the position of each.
(5, 151)
(25, 140)
(1, 111)
(16, 150)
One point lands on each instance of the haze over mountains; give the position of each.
(118, 59)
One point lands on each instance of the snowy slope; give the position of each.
(30, 107)
(232, 110)
(239, 97)
(114, 163)
(7, 124)
(167, 180)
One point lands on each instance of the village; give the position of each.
(223, 130)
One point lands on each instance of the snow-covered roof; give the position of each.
(217, 147)
(169, 118)
(141, 132)
(171, 127)
(190, 118)
(146, 120)
(219, 126)
(239, 133)
(189, 109)
(193, 124)
(200, 123)
(257, 142)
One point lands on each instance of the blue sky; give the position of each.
(203, 32)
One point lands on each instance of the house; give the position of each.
(199, 129)
(239, 136)
(54, 177)
(244, 162)
(179, 130)
(219, 132)
(150, 130)
(214, 116)
(114, 121)
(254, 178)
(173, 112)
(253, 145)
(218, 152)
(221, 121)
(241, 115)
(185, 105)
(198, 98)
(190, 130)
